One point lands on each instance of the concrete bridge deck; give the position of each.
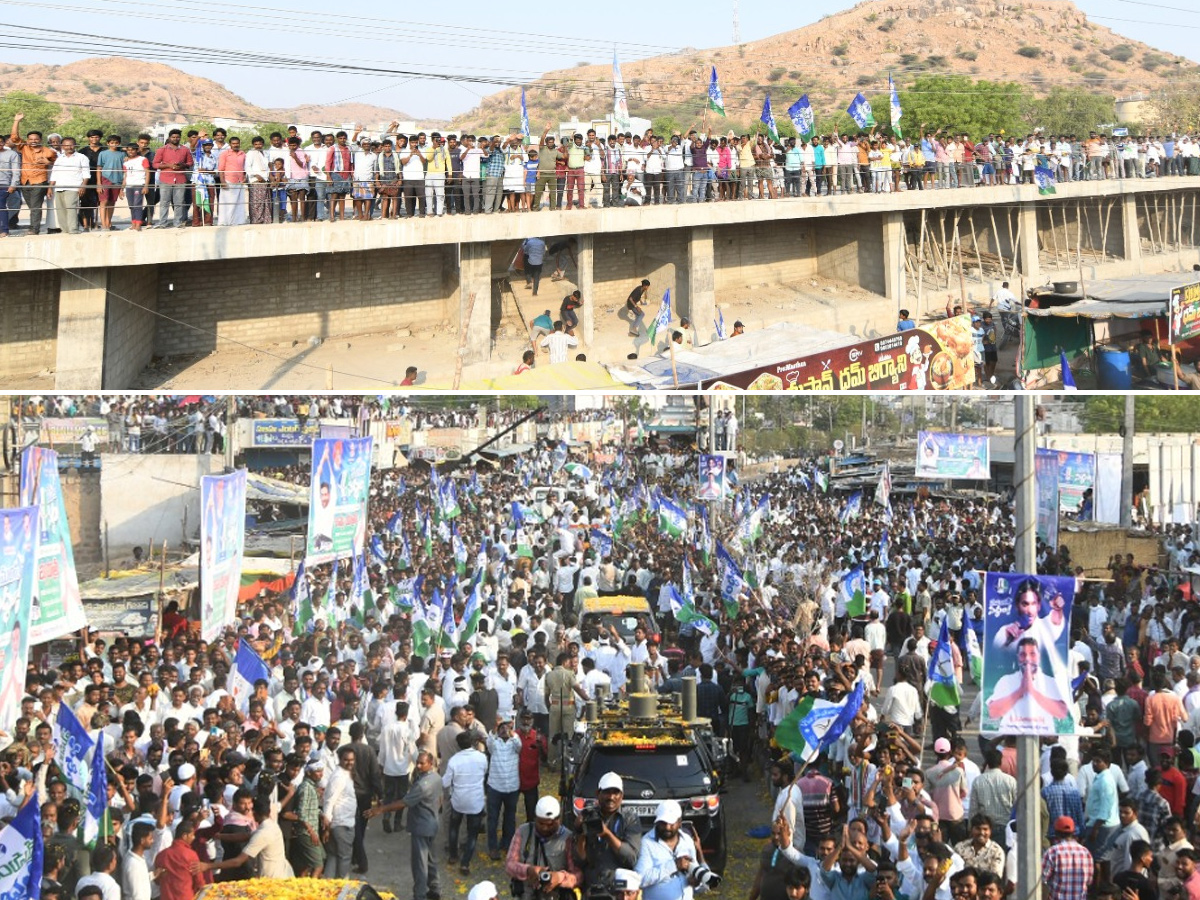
(96, 308)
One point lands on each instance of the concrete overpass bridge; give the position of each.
(96, 308)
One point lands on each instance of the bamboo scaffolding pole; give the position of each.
(1054, 235)
(921, 267)
(1014, 244)
(1104, 230)
(942, 231)
(975, 241)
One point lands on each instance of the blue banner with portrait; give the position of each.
(944, 455)
(57, 605)
(712, 477)
(222, 542)
(1026, 672)
(337, 511)
(1046, 478)
(18, 581)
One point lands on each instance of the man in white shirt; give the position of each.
(339, 811)
(104, 863)
(901, 704)
(558, 342)
(464, 779)
(68, 180)
(397, 753)
(135, 877)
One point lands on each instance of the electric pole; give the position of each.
(1029, 813)
(230, 401)
(1127, 464)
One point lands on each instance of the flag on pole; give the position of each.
(97, 820)
(884, 551)
(672, 521)
(620, 98)
(720, 323)
(715, 101)
(1043, 176)
(685, 612)
(248, 668)
(897, 112)
(860, 112)
(21, 851)
(853, 590)
(801, 114)
(814, 724)
(974, 656)
(73, 748)
(524, 117)
(662, 321)
(769, 120)
(1068, 379)
(943, 686)
(559, 456)
(883, 490)
(471, 614)
(302, 608)
(427, 623)
(602, 543)
(459, 549)
(853, 507)
(822, 480)
(750, 529)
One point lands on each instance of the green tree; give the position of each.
(957, 103)
(665, 126)
(84, 120)
(1070, 111)
(40, 114)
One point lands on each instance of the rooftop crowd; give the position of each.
(195, 179)
(360, 720)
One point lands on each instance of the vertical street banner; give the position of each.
(57, 605)
(712, 477)
(337, 510)
(943, 455)
(1026, 676)
(1046, 480)
(222, 541)
(18, 581)
(1076, 473)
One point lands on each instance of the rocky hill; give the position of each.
(147, 92)
(1037, 43)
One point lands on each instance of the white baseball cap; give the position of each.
(611, 781)
(668, 811)
(485, 890)
(547, 808)
(186, 771)
(626, 880)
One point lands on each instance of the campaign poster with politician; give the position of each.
(337, 510)
(1026, 674)
(222, 540)
(1046, 485)
(1076, 474)
(58, 607)
(945, 455)
(712, 477)
(18, 579)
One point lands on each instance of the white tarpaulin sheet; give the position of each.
(1108, 488)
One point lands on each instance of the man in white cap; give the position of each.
(610, 840)
(186, 782)
(485, 890)
(667, 856)
(540, 854)
(627, 885)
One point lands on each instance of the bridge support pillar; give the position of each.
(1027, 251)
(82, 314)
(475, 301)
(1132, 233)
(702, 284)
(585, 277)
(895, 281)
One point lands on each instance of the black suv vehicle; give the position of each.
(669, 759)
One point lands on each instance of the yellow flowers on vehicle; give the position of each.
(291, 889)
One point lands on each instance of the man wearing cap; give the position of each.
(305, 852)
(503, 784)
(1067, 867)
(485, 890)
(464, 779)
(611, 842)
(667, 856)
(543, 846)
(947, 780)
(627, 885)
(423, 802)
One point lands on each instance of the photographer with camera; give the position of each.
(609, 837)
(540, 858)
(670, 863)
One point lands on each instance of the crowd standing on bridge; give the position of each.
(196, 179)
(365, 715)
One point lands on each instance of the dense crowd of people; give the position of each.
(366, 717)
(196, 179)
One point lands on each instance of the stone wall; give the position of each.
(291, 298)
(850, 249)
(81, 497)
(132, 323)
(28, 322)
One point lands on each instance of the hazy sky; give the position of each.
(471, 39)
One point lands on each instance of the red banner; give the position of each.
(937, 357)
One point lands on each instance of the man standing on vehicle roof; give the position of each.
(609, 840)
